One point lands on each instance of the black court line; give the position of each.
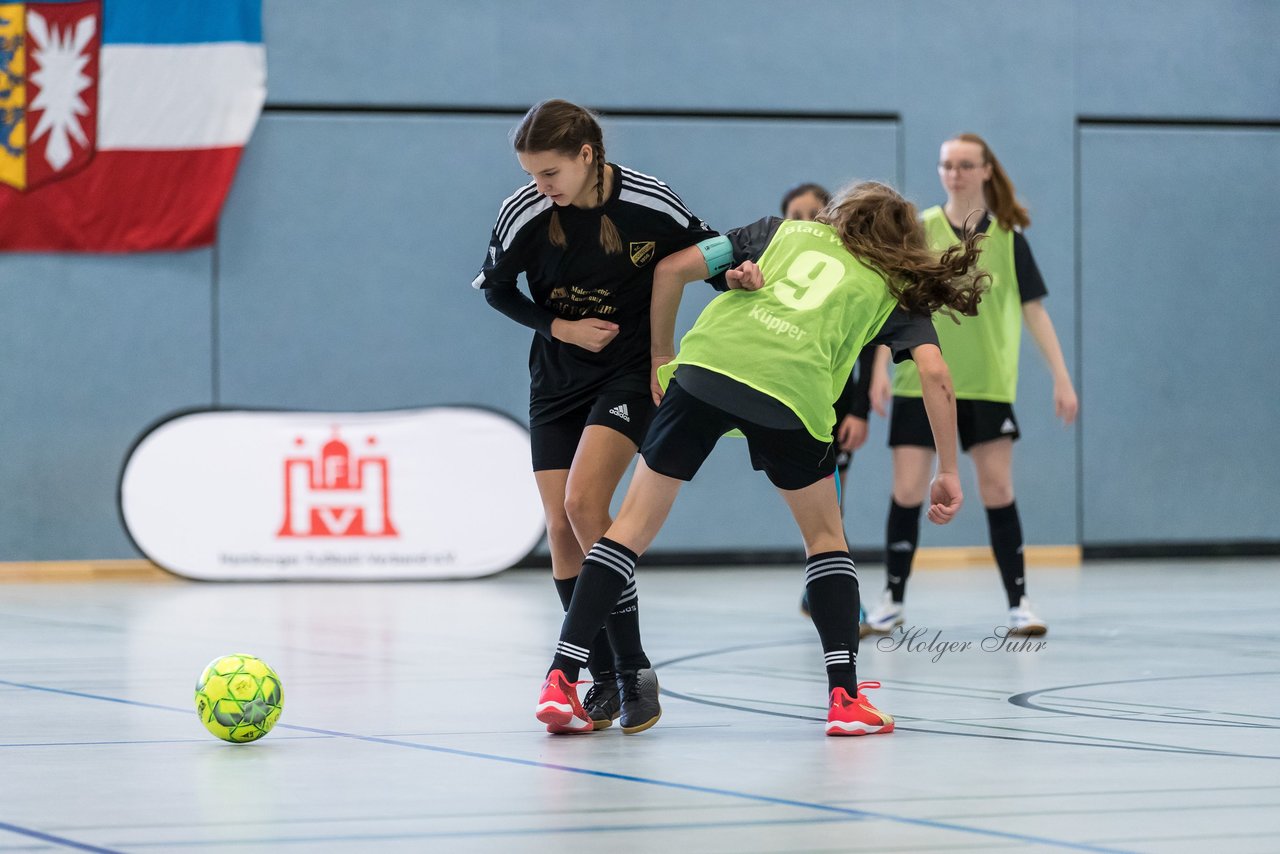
(608, 775)
(1095, 741)
(1025, 698)
(1121, 710)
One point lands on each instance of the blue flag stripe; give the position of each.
(181, 21)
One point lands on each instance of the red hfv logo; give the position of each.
(336, 494)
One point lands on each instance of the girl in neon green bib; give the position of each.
(982, 352)
(770, 362)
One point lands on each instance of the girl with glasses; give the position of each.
(983, 354)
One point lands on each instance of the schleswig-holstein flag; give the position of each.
(122, 121)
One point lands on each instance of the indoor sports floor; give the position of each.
(1148, 721)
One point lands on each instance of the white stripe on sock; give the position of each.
(601, 550)
(828, 562)
(834, 558)
(568, 647)
(627, 571)
(848, 572)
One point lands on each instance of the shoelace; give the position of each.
(631, 687)
(600, 689)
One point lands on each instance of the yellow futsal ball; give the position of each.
(239, 698)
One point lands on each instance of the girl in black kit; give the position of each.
(587, 234)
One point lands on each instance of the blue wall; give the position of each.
(340, 276)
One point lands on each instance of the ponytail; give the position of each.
(998, 190)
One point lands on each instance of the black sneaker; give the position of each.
(639, 692)
(603, 701)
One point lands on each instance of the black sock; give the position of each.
(623, 626)
(901, 534)
(600, 661)
(832, 583)
(607, 570)
(1006, 542)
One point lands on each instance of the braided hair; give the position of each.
(564, 128)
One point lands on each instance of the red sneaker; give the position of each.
(559, 707)
(848, 716)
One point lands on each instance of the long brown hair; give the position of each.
(881, 229)
(998, 190)
(562, 127)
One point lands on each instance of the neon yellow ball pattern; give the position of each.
(239, 698)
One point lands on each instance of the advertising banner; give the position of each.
(235, 495)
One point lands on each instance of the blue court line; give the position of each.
(56, 840)
(626, 778)
(140, 741)
(480, 834)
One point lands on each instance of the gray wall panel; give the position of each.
(1179, 269)
(715, 54)
(1179, 59)
(345, 271)
(92, 349)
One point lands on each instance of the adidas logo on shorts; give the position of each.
(621, 411)
(1008, 426)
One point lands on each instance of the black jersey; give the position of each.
(582, 280)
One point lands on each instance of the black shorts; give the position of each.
(555, 442)
(685, 429)
(977, 421)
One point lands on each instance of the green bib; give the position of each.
(797, 338)
(981, 351)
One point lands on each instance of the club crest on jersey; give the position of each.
(48, 90)
(642, 252)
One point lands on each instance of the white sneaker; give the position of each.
(1022, 621)
(884, 618)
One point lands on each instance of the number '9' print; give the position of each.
(809, 280)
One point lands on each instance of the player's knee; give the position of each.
(585, 510)
(559, 530)
(909, 492)
(996, 494)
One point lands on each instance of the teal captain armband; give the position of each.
(718, 253)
